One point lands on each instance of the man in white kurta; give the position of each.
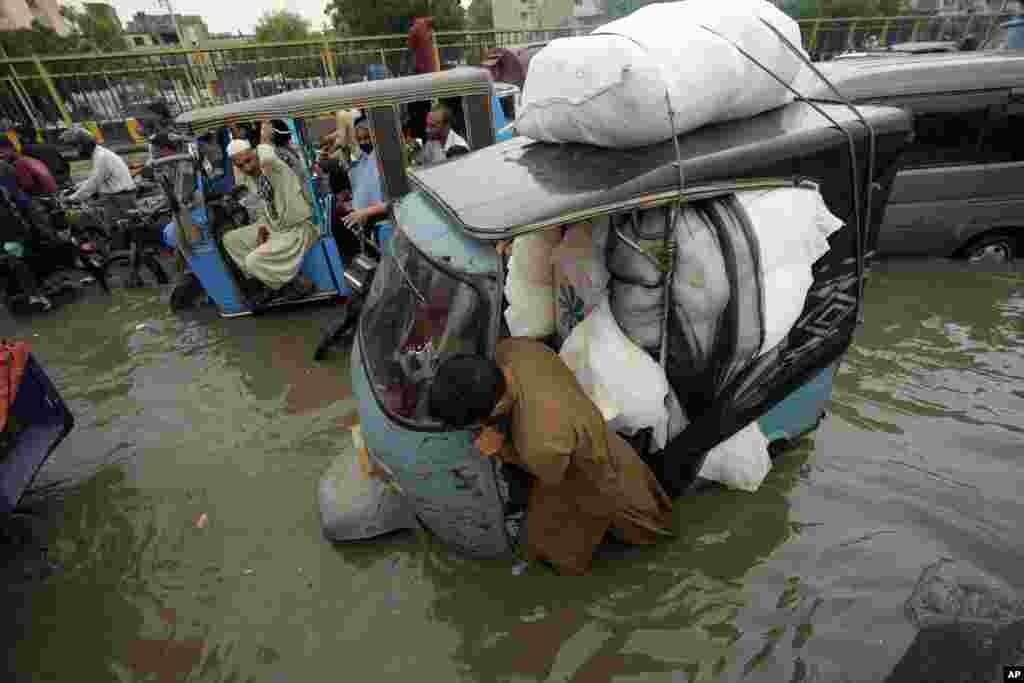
(272, 250)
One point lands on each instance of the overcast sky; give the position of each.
(223, 16)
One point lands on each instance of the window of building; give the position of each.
(524, 15)
(139, 41)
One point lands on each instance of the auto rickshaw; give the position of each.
(442, 272)
(324, 264)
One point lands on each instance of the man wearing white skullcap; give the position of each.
(272, 250)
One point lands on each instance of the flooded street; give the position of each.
(180, 416)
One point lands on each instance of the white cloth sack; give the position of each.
(700, 285)
(628, 387)
(792, 226)
(608, 88)
(529, 285)
(581, 276)
(741, 461)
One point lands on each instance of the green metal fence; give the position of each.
(48, 93)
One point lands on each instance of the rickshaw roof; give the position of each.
(458, 82)
(521, 184)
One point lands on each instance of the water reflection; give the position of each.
(956, 356)
(642, 611)
(108, 609)
(194, 414)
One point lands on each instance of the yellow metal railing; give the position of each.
(55, 90)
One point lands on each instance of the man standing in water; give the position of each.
(272, 252)
(586, 479)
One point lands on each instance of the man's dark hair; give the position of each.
(465, 390)
(162, 111)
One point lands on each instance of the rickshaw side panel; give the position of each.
(801, 411)
(453, 490)
(208, 264)
(323, 266)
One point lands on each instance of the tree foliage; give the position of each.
(91, 31)
(281, 26)
(811, 9)
(480, 14)
(375, 17)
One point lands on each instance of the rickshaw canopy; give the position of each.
(459, 82)
(523, 185)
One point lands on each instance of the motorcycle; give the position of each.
(51, 249)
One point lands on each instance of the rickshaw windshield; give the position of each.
(415, 315)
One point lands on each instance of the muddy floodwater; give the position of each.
(184, 416)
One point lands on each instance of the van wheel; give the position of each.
(1000, 248)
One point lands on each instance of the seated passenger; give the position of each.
(272, 251)
(442, 140)
(587, 479)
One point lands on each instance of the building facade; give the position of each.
(19, 14)
(157, 30)
(964, 6)
(531, 14)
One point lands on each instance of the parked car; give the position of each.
(903, 50)
(1008, 36)
(958, 189)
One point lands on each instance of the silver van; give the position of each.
(960, 188)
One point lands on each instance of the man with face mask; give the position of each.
(110, 178)
(368, 202)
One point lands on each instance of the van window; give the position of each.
(948, 138)
(1005, 138)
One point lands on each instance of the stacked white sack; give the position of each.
(529, 285)
(624, 382)
(792, 226)
(608, 88)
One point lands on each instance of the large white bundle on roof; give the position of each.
(608, 88)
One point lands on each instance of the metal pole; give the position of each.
(20, 92)
(45, 75)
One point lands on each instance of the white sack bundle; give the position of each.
(608, 88)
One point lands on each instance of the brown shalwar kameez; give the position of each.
(587, 478)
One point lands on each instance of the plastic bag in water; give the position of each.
(355, 505)
(741, 461)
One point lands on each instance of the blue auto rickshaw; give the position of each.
(324, 265)
(442, 272)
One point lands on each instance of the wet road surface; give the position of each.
(180, 416)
